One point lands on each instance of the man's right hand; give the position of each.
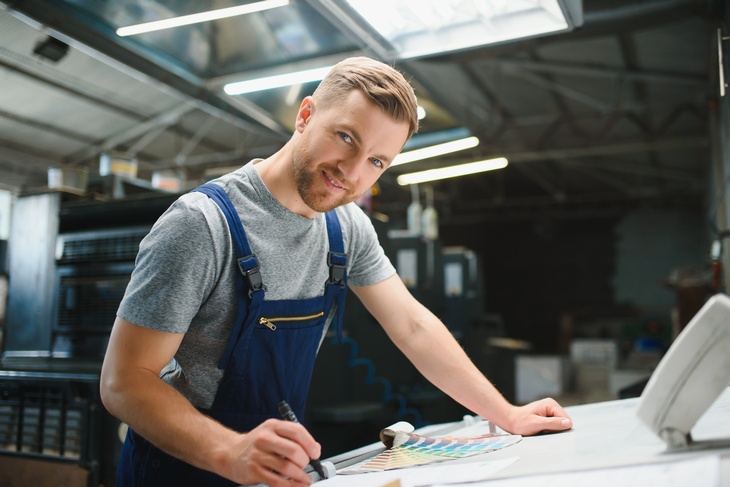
(131, 390)
(274, 453)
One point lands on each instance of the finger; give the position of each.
(556, 416)
(291, 472)
(557, 423)
(278, 438)
(550, 407)
(299, 435)
(273, 470)
(275, 479)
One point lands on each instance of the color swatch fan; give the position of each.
(409, 449)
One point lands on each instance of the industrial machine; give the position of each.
(69, 263)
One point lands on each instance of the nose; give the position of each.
(351, 166)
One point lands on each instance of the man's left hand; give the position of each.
(542, 416)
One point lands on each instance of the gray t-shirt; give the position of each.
(185, 274)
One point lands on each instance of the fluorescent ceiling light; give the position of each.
(435, 150)
(452, 171)
(422, 27)
(258, 84)
(288, 79)
(200, 17)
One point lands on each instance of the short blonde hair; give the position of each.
(382, 84)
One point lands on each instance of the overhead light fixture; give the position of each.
(200, 17)
(423, 139)
(416, 28)
(287, 79)
(435, 150)
(452, 171)
(277, 81)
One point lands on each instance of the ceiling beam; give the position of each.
(137, 130)
(11, 152)
(596, 174)
(76, 87)
(517, 156)
(74, 27)
(590, 71)
(193, 142)
(643, 170)
(506, 117)
(556, 193)
(594, 197)
(237, 155)
(612, 149)
(63, 82)
(46, 127)
(566, 91)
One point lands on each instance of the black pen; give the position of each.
(288, 415)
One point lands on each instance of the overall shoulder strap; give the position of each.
(336, 257)
(336, 285)
(248, 283)
(247, 263)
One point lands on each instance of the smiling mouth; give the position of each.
(333, 182)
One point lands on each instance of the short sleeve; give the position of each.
(369, 264)
(177, 266)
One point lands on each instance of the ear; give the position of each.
(306, 109)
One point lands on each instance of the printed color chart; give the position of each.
(410, 450)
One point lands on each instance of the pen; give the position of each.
(288, 415)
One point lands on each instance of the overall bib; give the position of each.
(269, 357)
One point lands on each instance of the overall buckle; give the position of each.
(249, 267)
(337, 262)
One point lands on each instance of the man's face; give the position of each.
(342, 150)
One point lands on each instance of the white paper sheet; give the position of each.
(442, 474)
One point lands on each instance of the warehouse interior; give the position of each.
(567, 273)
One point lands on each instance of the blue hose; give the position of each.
(371, 379)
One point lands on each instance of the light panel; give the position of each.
(452, 171)
(200, 17)
(277, 81)
(435, 150)
(417, 28)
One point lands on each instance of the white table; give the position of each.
(607, 446)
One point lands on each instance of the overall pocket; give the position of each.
(274, 360)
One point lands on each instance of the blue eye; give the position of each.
(345, 137)
(377, 162)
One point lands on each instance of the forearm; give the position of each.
(273, 453)
(438, 356)
(167, 419)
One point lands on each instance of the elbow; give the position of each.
(109, 390)
(411, 330)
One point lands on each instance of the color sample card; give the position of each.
(410, 450)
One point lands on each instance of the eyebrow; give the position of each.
(355, 135)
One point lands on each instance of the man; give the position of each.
(222, 318)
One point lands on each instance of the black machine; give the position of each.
(69, 265)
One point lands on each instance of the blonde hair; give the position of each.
(382, 84)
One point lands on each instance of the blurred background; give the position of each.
(568, 272)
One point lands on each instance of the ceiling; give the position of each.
(614, 114)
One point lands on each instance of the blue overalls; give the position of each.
(269, 357)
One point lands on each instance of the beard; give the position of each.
(307, 175)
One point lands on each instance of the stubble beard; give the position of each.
(307, 181)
